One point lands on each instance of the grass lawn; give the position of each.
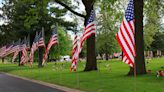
(111, 81)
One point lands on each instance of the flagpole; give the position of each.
(58, 50)
(45, 50)
(38, 54)
(27, 49)
(77, 64)
(97, 47)
(77, 72)
(135, 73)
(11, 62)
(77, 58)
(21, 56)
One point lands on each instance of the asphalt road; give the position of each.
(13, 84)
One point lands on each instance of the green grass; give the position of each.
(111, 81)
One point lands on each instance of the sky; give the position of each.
(1, 22)
(68, 17)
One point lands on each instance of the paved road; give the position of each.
(13, 84)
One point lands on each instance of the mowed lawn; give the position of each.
(111, 81)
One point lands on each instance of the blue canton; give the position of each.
(129, 14)
(91, 17)
(75, 28)
(26, 41)
(40, 35)
(8, 45)
(55, 31)
(22, 43)
(16, 43)
(36, 39)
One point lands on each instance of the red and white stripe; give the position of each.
(24, 54)
(88, 31)
(41, 43)
(126, 39)
(15, 54)
(33, 49)
(7, 51)
(151, 53)
(52, 41)
(2, 51)
(160, 52)
(74, 62)
(12, 50)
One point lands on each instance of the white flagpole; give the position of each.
(27, 50)
(45, 50)
(97, 46)
(58, 51)
(135, 73)
(77, 59)
(38, 56)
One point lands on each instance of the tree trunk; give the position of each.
(91, 63)
(20, 55)
(139, 60)
(40, 57)
(106, 52)
(3, 60)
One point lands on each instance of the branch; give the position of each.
(67, 7)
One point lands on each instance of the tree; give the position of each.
(158, 43)
(91, 63)
(108, 23)
(28, 16)
(153, 21)
(139, 59)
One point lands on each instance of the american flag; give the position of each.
(17, 51)
(0, 47)
(7, 51)
(33, 49)
(2, 50)
(157, 52)
(24, 52)
(41, 41)
(28, 46)
(74, 62)
(99, 56)
(160, 52)
(88, 31)
(151, 53)
(13, 49)
(126, 37)
(53, 40)
(148, 53)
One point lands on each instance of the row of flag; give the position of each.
(150, 53)
(125, 37)
(88, 31)
(24, 46)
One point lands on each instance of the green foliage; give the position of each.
(153, 20)
(65, 45)
(158, 43)
(108, 23)
(25, 17)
